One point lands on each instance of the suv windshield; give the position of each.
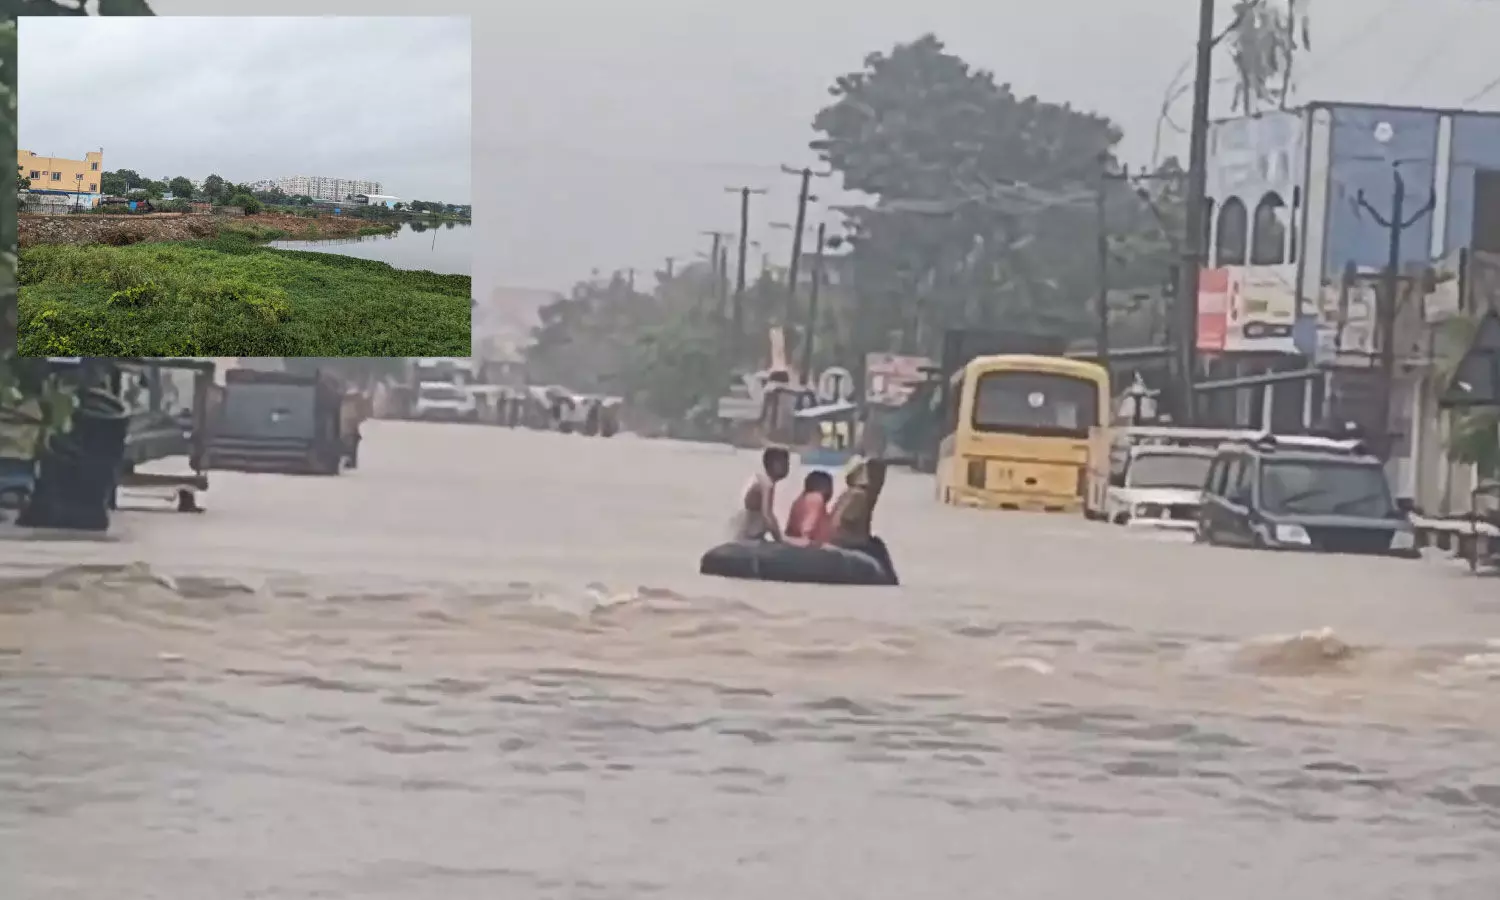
(1324, 488)
(1169, 470)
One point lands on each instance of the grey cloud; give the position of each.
(387, 99)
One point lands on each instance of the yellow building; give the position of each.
(56, 179)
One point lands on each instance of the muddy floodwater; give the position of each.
(484, 666)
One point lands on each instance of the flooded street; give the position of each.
(483, 665)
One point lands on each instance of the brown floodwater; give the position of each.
(484, 665)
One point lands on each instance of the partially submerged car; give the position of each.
(1303, 493)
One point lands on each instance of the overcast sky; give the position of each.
(605, 131)
(383, 99)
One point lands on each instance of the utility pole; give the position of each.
(1101, 247)
(670, 267)
(1194, 253)
(713, 253)
(1389, 296)
(812, 305)
(715, 263)
(803, 198)
(737, 313)
(722, 281)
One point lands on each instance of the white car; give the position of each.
(1161, 487)
(441, 401)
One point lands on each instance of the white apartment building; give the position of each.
(322, 188)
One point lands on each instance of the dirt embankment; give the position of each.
(133, 229)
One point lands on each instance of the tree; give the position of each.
(22, 182)
(113, 184)
(245, 201)
(662, 351)
(214, 189)
(983, 198)
(181, 187)
(131, 177)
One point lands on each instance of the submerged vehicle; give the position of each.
(920, 424)
(1151, 476)
(772, 561)
(280, 422)
(1019, 431)
(1303, 493)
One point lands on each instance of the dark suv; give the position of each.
(1302, 493)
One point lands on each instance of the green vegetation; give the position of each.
(231, 297)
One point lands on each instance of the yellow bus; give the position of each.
(1018, 432)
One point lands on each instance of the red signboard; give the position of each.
(1213, 309)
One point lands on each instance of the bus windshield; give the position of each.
(1044, 404)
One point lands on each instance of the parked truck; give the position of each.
(282, 422)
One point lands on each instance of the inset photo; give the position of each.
(194, 186)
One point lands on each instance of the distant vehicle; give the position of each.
(1303, 493)
(445, 402)
(278, 422)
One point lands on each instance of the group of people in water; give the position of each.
(816, 518)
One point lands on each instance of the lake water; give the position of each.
(446, 248)
(484, 665)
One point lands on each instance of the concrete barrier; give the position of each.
(1461, 537)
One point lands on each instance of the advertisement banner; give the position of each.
(890, 377)
(1213, 309)
(1262, 310)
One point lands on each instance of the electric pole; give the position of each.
(1194, 253)
(715, 263)
(1101, 247)
(812, 305)
(1387, 301)
(803, 198)
(722, 281)
(670, 268)
(737, 312)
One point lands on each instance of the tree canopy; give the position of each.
(982, 199)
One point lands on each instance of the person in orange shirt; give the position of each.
(808, 522)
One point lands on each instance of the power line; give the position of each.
(1373, 22)
(1482, 92)
(1423, 63)
(653, 161)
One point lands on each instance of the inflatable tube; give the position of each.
(767, 561)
